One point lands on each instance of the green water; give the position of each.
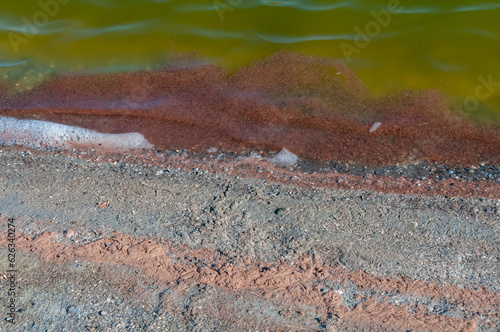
(421, 45)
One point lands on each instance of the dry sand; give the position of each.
(169, 242)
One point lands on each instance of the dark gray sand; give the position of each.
(450, 243)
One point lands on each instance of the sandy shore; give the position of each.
(170, 241)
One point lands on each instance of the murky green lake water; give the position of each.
(453, 46)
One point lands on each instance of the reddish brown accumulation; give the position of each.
(278, 281)
(316, 108)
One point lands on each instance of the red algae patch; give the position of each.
(278, 282)
(316, 108)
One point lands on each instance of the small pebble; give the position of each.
(284, 158)
(375, 126)
(73, 310)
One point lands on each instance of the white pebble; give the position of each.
(284, 158)
(255, 155)
(375, 126)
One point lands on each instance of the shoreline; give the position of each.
(320, 110)
(418, 177)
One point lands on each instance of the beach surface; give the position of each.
(182, 241)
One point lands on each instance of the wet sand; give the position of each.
(165, 240)
(316, 108)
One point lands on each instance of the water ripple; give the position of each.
(283, 39)
(12, 64)
(126, 28)
(294, 4)
(52, 27)
(476, 31)
(476, 7)
(443, 66)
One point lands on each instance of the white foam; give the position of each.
(35, 133)
(284, 158)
